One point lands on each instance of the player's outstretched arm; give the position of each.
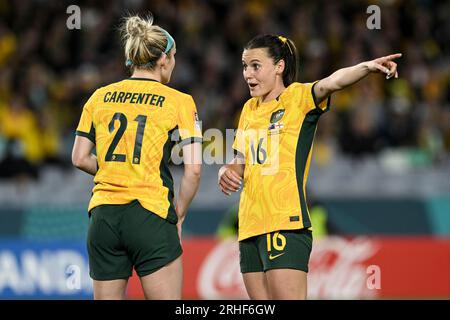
(345, 77)
(82, 156)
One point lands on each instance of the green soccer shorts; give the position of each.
(121, 237)
(285, 249)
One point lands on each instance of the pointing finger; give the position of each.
(393, 56)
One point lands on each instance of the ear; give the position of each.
(280, 67)
(162, 60)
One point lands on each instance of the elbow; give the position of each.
(338, 85)
(325, 87)
(197, 172)
(77, 161)
(194, 171)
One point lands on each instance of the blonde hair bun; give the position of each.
(143, 42)
(137, 27)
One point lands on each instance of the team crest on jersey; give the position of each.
(275, 125)
(276, 116)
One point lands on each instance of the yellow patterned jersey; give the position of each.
(132, 123)
(276, 139)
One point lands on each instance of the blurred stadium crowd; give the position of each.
(47, 71)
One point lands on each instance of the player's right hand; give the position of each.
(229, 180)
(385, 65)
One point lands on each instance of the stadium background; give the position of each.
(379, 183)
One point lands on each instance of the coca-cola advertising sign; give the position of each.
(340, 268)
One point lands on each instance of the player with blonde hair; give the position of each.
(134, 222)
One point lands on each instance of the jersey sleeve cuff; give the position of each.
(324, 106)
(86, 135)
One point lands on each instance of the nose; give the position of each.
(247, 74)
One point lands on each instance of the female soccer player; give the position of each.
(273, 151)
(133, 220)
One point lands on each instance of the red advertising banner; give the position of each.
(340, 268)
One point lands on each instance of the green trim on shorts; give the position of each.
(286, 249)
(121, 237)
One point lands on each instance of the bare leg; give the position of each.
(166, 283)
(256, 285)
(110, 290)
(287, 284)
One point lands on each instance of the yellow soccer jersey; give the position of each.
(131, 123)
(276, 140)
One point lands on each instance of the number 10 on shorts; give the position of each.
(276, 241)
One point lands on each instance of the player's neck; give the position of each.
(273, 94)
(138, 73)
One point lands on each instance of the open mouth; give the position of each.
(252, 85)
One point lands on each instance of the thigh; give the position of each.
(108, 259)
(165, 283)
(256, 285)
(287, 284)
(110, 290)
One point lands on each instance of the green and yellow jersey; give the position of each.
(276, 140)
(132, 123)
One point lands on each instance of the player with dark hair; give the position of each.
(273, 151)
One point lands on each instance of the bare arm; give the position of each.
(190, 181)
(231, 174)
(345, 77)
(82, 156)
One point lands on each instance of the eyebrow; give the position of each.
(253, 60)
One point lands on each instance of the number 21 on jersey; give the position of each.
(110, 155)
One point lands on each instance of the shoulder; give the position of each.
(101, 91)
(295, 86)
(180, 104)
(111, 87)
(298, 91)
(175, 94)
(249, 105)
(298, 87)
(93, 98)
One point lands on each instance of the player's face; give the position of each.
(169, 65)
(259, 72)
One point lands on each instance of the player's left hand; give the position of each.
(385, 65)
